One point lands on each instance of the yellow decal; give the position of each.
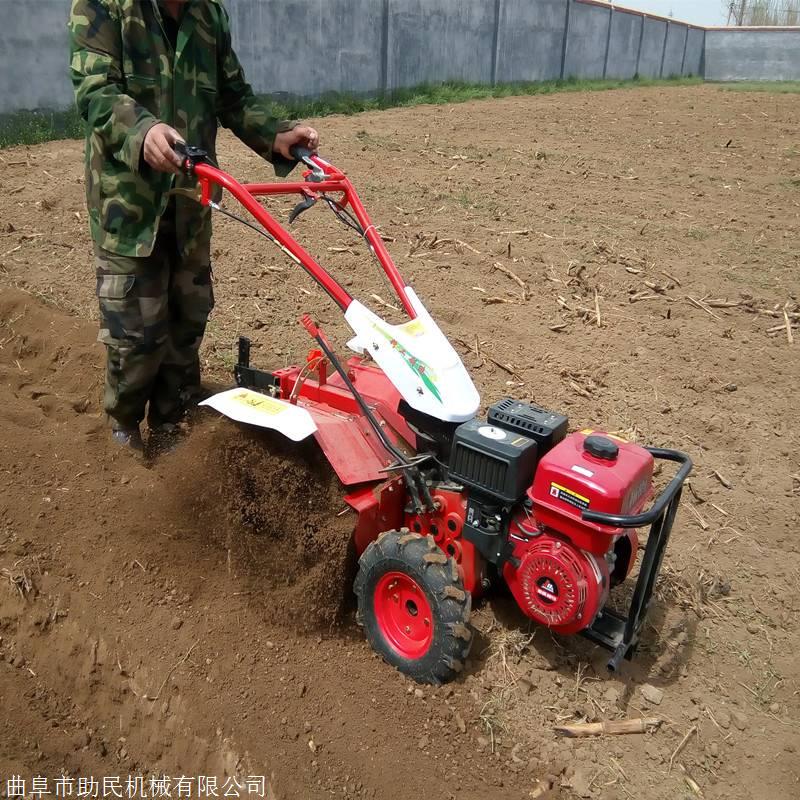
(589, 432)
(260, 402)
(414, 328)
(569, 496)
(564, 489)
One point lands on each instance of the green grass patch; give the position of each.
(35, 127)
(773, 87)
(452, 92)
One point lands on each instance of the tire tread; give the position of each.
(438, 575)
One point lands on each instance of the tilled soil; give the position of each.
(193, 615)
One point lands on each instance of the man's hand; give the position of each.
(158, 148)
(301, 135)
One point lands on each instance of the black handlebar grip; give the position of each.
(300, 153)
(190, 155)
(182, 151)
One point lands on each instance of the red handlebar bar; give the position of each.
(325, 178)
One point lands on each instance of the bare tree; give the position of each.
(763, 12)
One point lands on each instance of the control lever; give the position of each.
(303, 154)
(308, 202)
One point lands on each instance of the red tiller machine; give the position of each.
(448, 503)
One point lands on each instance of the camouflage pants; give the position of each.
(153, 314)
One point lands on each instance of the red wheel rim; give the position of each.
(404, 615)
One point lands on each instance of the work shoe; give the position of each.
(129, 438)
(193, 396)
(164, 438)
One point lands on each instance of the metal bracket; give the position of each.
(250, 378)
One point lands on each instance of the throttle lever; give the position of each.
(302, 154)
(302, 206)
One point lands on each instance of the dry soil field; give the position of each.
(193, 616)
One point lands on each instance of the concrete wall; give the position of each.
(623, 46)
(439, 41)
(769, 55)
(695, 45)
(628, 43)
(651, 55)
(530, 41)
(673, 50)
(587, 40)
(310, 47)
(293, 47)
(34, 72)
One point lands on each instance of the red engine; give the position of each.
(516, 502)
(562, 566)
(558, 566)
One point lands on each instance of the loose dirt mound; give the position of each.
(656, 232)
(272, 507)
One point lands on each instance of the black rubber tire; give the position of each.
(437, 574)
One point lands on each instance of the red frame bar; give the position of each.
(334, 181)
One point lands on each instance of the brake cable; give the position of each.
(344, 216)
(265, 234)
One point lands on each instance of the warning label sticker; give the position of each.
(568, 496)
(260, 402)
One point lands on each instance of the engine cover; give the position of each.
(557, 584)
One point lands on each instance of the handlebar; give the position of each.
(188, 151)
(190, 156)
(322, 178)
(664, 499)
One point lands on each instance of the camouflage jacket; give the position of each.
(127, 77)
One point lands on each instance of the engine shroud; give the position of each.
(557, 584)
